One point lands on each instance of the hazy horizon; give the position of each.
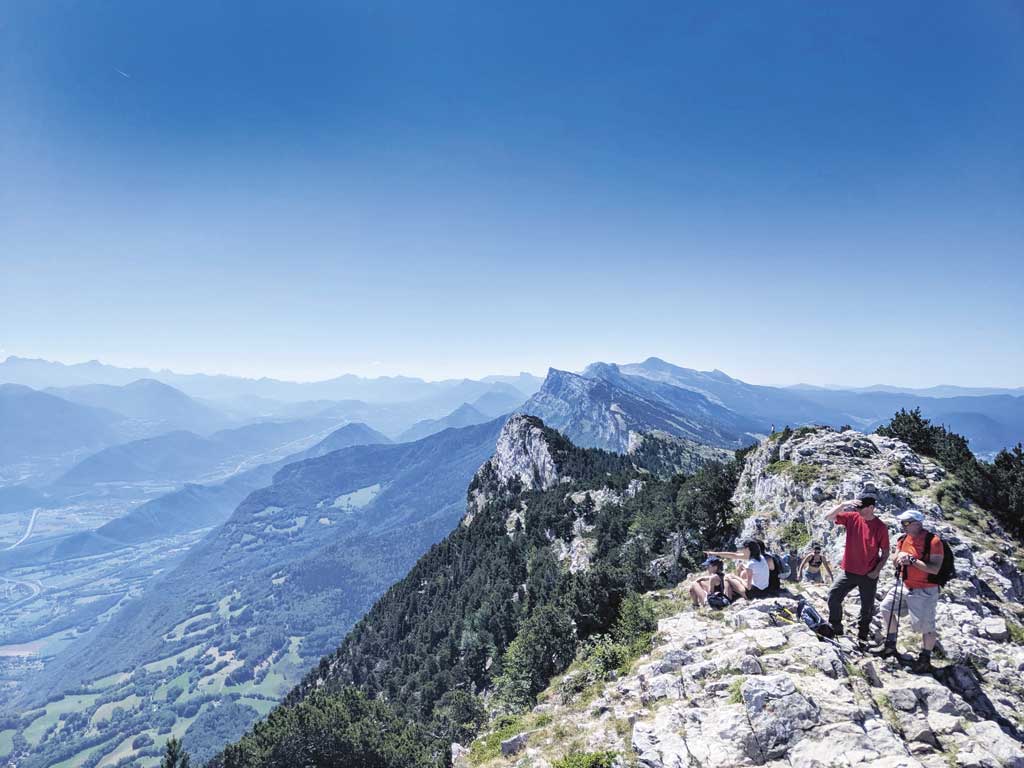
(4, 354)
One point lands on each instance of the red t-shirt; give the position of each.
(916, 578)
(864, 539)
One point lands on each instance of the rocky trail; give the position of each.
(740, 687)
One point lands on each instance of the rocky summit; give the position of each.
(754, 685)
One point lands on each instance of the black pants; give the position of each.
(843, 586)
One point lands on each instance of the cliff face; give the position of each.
(745, 686)
(605, 409)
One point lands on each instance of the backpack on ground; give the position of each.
(810, 616)
(718, 599)
(947, 570)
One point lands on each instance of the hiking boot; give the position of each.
(922, 665)
(888, 651)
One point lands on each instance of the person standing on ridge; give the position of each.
(867, 549)
(919, 554)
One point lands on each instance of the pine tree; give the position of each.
(174, 755)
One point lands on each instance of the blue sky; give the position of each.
(791, 191)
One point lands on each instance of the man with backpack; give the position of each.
(923, 564)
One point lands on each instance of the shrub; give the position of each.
(603, 759)
(796, 534)
(142, 740)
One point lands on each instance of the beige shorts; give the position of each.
(919, 603)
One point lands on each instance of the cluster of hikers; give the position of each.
(921, 562)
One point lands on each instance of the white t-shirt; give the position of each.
(759, 570)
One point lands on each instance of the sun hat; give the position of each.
(911, 516)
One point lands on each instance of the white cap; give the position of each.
(911, 515)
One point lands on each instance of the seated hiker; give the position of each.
(711, 583)
(791, 564)
(919, 558)
(811, 565)
(752, 577)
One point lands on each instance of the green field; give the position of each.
(54, 710)
(75, 760)
(6, 742)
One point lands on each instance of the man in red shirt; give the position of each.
(920, 595)
(867, 548)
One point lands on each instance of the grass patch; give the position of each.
(889, 712)
(1016, 632)
(853, 671)
(488, 747)
(604, 759)
(736, 690)
(802, 473)
(949, 495)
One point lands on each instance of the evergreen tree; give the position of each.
(174, 755)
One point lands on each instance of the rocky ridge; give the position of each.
(745, 687)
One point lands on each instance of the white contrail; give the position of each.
(122, 74)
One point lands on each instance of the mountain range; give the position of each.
(604, 404)
(304, 541)
(385, 389)
(147, 400)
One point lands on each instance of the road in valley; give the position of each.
(28, 532)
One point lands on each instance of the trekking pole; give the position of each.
(897, 608)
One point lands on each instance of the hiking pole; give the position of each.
(897, 610)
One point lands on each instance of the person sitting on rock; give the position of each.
(711, 583)
(920, 595)
(811, 565)
(751, 579)
(866, 550)
(790, 564)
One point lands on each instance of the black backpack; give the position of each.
(810, 616)
(947, 570)
(718, 599)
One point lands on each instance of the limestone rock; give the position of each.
(995, 628)
(514, 744)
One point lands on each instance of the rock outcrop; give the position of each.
(787, 488)
(750, 686)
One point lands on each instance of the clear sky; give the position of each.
(787, 191)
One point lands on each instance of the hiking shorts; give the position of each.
(919, 603)
(814, 576)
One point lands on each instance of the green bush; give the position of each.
(796, 534)
(636, 620)
(603, 759)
